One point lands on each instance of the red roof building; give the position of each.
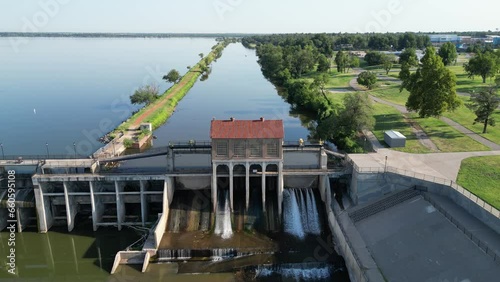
(247, 139)
(247, 129)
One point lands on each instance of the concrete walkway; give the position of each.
(442, 165)
(493, 146)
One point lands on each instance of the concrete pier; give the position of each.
(71, 206)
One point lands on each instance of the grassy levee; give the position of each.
(158, 112)
(480, 176)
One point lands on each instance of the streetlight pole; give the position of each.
(74, 148)
(47, 147)
(114, 152)
(385, 169)
(3, 155)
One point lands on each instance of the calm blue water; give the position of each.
(236, 88)
(65, 90)
(70, 90)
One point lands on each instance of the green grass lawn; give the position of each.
(466, 84)
(466, 117)
(480, 175)
(337, 80)
(391, 93)
(446, 138)
(340, 80)
(388, 118)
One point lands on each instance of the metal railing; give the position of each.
(482, 245)
(438, 180)
(42, 157)
(193, 143)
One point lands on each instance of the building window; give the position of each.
(221, 149)
(272, 149)
(255, 148)
(239, 148)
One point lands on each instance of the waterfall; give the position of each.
(300, 216)
(312, 214)
(182, 254)
(297, 272)
(292, 223)
(220, 254)
(223, 219)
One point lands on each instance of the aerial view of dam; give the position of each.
(233, 148)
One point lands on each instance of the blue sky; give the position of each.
(248, 16)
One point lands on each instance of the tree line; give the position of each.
(285, 65)
(327, 43)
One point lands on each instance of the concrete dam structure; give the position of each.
(250, 201)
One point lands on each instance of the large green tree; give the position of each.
(173, 76)
(448, 53)
(353, 62)
(145, 95)
(367, 78)
(342, 61)
(483, 104)
(387, 63)
(407, 60)
(320, 81)
(342, 126)
(432, 87)
(483, 64)
(323, 63)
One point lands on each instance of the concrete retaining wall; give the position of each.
(129, 257)
(192, 161)
(300, 181)
(371, 186)
(302, 159)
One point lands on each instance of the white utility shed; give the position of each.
(394, 139)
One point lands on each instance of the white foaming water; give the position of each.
(297, 273)
(223, 220)
(312, 214)
(301, 215)
(291, 216)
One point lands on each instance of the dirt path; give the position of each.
(164, 100)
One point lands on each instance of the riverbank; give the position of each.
(158, 112)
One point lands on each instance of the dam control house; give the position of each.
(253, 147)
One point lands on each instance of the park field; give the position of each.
(388, 118)
(462, 115)
(480, 176)
(466, 84)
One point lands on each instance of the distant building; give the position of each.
(439, 39)
(492, 39)
(466, 39)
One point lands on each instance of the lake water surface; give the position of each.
(60, 91)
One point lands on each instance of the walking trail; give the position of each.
(421, 135)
